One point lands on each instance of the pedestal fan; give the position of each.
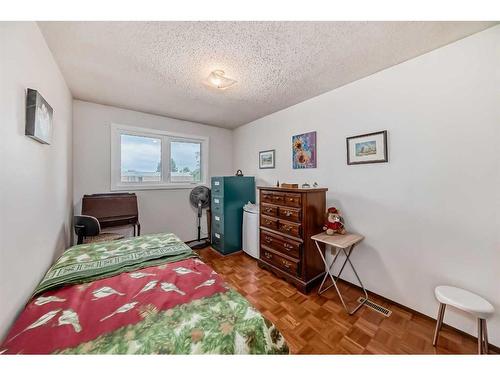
(200, 199)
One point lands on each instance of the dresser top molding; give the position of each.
(292, 190)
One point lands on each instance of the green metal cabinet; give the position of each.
(229, 195)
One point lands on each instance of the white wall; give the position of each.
(35, 179)
(159, 210)
(430, 215)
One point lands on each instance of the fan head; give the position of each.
(200, 195)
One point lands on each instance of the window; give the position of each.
(185, 161)
(140, 159)
(153, 159)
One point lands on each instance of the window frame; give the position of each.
(117, 130)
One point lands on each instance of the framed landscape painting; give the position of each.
(266, 159)
(367, 148)
(304, 150)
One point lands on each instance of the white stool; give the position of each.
(469, 302)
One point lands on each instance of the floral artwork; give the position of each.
(304, 150)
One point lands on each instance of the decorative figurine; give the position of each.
(315, 185)
(334, 222)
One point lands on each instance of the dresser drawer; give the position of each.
(278, 198)
(291, 214)
(268, 209)
(266, 197)
(289, 228)
(280, 244)
(288, 265)
(293, 199)
(269, 222)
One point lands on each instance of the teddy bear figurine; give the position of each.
(334, 222)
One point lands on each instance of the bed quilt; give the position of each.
(146, 295)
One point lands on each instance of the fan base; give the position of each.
(197, 244)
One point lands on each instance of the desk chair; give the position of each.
(88, 230)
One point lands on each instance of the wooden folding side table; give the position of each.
(341, 243)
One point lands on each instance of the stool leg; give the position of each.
(480, 336)
(439, 323)
(485, 338)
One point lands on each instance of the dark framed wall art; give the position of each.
(38, 117)
(367, 148)
(267, 159)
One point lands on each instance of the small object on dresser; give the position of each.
(289, 186)
(278, 183)
(315, 185)
(305, 185)
(334, 222)
(239, 173)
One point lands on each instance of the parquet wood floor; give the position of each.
(314, 324)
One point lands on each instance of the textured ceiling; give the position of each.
(158, 67)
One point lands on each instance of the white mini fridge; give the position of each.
(251, 229)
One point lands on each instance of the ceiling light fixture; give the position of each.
(218, 80)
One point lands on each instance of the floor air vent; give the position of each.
(377, 308)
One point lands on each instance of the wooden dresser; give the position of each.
(288, 219)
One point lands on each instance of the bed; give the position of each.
(143, 295)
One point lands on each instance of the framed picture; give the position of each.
(266, 159)
(38, 117)
(367, 148)
(304, 150)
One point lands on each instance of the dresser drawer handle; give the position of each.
(268, 256)
(291, 199)
(286, 264)
(278, 198)
(287, 246)
(268, 222)
(268, 239)
(268, 210)
(288, 213)
(287, 228)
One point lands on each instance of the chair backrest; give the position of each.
(86, 226)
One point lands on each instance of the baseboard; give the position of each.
(491, 347)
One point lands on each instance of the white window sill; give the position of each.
(131, 187)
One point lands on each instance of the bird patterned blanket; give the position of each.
(145, 295)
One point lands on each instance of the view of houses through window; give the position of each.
(141, 159)
(185, 161)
